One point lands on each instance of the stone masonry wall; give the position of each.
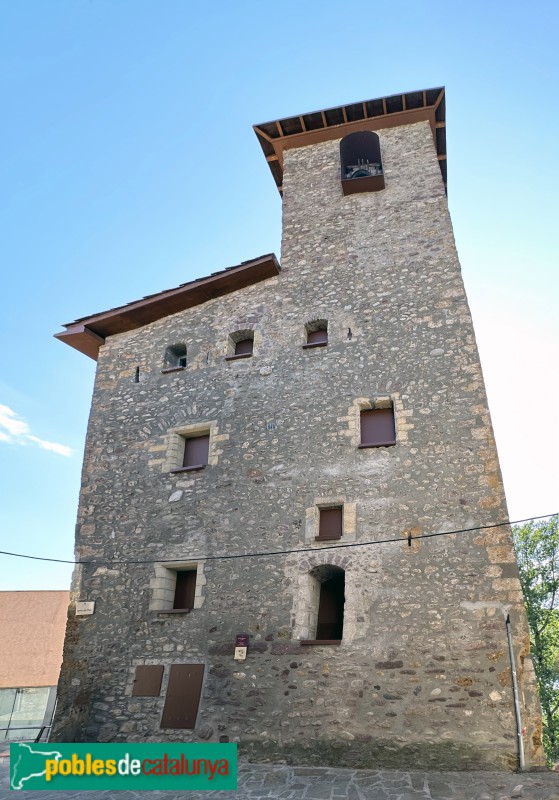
(422, 676)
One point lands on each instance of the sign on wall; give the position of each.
(84, 608)
(241, 645)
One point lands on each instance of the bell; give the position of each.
(361, 173)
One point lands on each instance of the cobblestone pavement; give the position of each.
(267, 782)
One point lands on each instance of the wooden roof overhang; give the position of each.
(87, 334)
(368, 115)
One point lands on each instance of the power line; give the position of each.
(410, 539)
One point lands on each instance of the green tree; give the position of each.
(537, 551)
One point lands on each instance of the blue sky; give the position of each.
(128, 165)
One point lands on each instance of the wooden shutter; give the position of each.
(183, 696)
(147, 680)
(330, 524)
(317, 337)
(185, 589)
(377, 427)
(244, 347)
(196, 451)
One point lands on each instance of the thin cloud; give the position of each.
(10, 422)
(61, 449)
(15, 430)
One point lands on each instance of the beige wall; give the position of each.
(32, 626)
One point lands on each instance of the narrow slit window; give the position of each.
(185, 590)
(378, 428)
(330, 524)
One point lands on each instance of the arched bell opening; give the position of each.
(361, 163)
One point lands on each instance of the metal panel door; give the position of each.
(183, 696)
(147, 680)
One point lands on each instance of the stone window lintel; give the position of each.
(174, 445)
(401, 418)
(312, 519)
(163, 584)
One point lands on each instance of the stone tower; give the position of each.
(269, 450)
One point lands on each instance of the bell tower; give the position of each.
(292, 530)
(368, 245)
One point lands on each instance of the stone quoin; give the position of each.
(331, 412)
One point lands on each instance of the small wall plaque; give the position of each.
(241, 644)
(84, 608)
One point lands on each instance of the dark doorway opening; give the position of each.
(330, 624)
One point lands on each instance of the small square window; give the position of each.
(192, 447)
(240, 345)
(185, 590)
(175, 358)
(177, 588)
(317, 334)
(244, 347)
(196, 450)
(330, 524)
(377, 428)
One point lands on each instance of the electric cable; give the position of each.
(410, 538)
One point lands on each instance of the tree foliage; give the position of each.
(537, 551)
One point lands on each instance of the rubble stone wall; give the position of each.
(422, 676)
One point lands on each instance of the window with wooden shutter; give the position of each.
(330, 523)
(317, 334)
(241, 345)
(183, 696)
(244, 347)
(147, 680)
(190, 447)
(177, 588)
(196, 450)
(377, 428)
(185, 590)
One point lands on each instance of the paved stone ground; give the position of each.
(267, 782)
